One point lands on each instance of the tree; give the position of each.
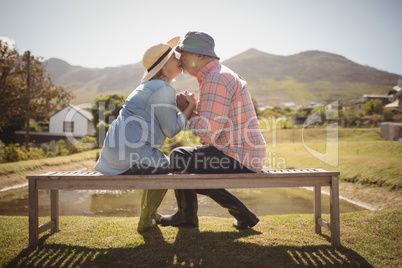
(105, 109)
(374, 106)
(45, 98)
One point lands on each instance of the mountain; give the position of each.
(308, 76)
(87, 83)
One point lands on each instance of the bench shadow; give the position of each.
(219, 249)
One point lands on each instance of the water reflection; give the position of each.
(126, 203)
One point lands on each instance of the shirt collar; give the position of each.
(206, 69)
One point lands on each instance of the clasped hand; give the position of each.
(184, 99)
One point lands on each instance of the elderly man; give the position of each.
(228, 128)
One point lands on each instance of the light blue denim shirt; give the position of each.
(148, 116)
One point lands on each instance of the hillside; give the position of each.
(308, 76)
(301, 78)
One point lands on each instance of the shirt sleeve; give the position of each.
(165, 111)
(213, 109)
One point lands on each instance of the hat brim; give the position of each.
(182, 48)
(173, 43)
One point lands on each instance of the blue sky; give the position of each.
(99, 33)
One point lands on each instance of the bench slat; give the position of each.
(178, 182)
(267, 173)
(92, 180)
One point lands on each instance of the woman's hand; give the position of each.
(187, 103)
(181, 101)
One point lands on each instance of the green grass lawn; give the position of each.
(23, 166)
(369, 239)
(364, 157)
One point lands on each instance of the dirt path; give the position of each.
(17, 179)
(375, 198)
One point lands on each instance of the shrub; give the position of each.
(14, 153)
(2, 146)
(61, 148)
(36, 153)
(374, 106)
(387, 115)
(83, 144)
(169, 144)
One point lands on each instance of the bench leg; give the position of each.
(317, 209)
(33, 213)
(54, 210)
(334, 209)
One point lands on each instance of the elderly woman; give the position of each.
(148, 116)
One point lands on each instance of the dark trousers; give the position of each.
(209, 160)
(204, 159)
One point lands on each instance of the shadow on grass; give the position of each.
(191, 248)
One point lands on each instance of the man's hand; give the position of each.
(181, 101)
(187, 103)
(191, 99)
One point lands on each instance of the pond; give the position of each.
(126, 203)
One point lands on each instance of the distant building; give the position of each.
(312, 105)
(395, 96)
(72, 120)
(391, 131)
(358, 103)
(291, 105)
(383, 98)
(262, 108)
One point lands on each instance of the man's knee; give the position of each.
(174, 153)
(179, 158)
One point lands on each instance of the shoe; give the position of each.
(177, 220)
(145, 227)
(157, 217)
(244, 225)
(186, 216)
(244, 217)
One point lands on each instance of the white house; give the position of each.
(395, 96)
(72, 120)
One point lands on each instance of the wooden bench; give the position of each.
(56, 181)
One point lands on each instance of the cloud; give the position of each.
(9, 41)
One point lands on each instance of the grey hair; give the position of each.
(206, 57)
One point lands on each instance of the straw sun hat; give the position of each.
(157, 56)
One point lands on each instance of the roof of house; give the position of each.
(88, 115)
(351, 101)
(397, 95)
(375, 96)
(394, 104)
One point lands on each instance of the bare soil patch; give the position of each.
(376, 197)
(20, 178)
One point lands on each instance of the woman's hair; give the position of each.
(160, 75)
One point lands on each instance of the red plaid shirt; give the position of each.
(227, 119)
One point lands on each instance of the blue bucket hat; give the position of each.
(199, 43)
